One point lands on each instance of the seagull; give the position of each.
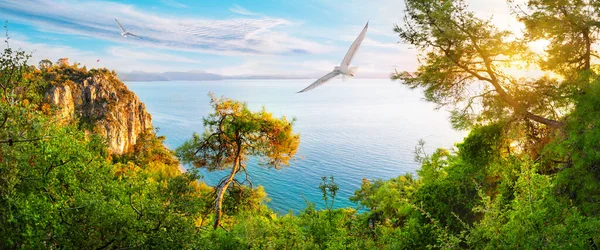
(125, 33)
(344, 68)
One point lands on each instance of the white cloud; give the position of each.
(276, 66)
(256, 44)
(117, 58)
(385, 31)
(239, 36)
(499, 12)
(371, 61)
(384, 63)
(174, 4)
(40, 51)
(241, 10)
(370, 42)
(146, 55)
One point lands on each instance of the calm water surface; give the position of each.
(352, 130)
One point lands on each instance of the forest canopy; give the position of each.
(526, 176)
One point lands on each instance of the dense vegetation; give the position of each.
(527, 175)
(233, 133)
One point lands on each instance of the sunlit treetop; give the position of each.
(232, 134)
(570, 26)
(234, 127)
(468, 65)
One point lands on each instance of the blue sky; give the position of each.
(244, 37)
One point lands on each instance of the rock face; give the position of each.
(102, 104)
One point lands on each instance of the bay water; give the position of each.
(363, 128)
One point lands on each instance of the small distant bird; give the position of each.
(344, 69)
(98, 60)
(124, 32)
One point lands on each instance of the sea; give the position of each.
(356, 129)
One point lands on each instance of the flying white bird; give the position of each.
(344, 69)
(125, 33)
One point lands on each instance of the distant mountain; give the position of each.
(141, 76)
(251, 77)
(138, 76)
(191, 76)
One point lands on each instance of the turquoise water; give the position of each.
(352, 130)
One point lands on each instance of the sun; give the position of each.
(539, 46)
(529, 68)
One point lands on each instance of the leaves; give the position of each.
(233, 125)
(466, 63)
(232, 134)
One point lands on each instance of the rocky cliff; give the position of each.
(101, 104)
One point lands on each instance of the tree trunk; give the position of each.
(493, 79)
(220, 195)
(225, 185)
(521, 110)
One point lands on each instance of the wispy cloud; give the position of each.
(145, 55)
(369, 42)
(242, 11)
(119, 58)
(276, 66)
(239, 36)
(174, 4)
(40, 51)
(255, 44)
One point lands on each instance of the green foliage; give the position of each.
(329, 190)
(150, 154)
(58, 190)
(466, 63)
(450, 182)
(61, 192)
(490, 193)
(570, 26)
(579, 178)
(232, 134)
(232, 128)
(475, 198)
(483, 145)
(534, 219)
(432, 168)
(512, 183)
(388, 201)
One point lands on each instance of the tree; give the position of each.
(19, 95)
(232, 134)
(59, 191)
(45, 64)
(570, 26)
(464, 65)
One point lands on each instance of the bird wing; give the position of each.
(132, 35)
(320, 81)
(354, 47)
(122, 29)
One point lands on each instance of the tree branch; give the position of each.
(10, 141)
(493, 79)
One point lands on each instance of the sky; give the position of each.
(231, 38)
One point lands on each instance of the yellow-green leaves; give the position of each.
(232, 134)
(234, 127)
(469, 65)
